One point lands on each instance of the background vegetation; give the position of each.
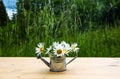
(94, 25)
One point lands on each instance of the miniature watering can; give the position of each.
(57, 64)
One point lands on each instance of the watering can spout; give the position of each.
(39, 57)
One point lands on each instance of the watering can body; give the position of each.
(56, 64)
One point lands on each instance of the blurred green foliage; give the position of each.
(47, 21)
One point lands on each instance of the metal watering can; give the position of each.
(57, 64)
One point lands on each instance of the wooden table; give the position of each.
(81, 68)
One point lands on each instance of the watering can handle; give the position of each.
(72, 59)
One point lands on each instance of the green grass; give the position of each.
(99, 43)
(65, 20)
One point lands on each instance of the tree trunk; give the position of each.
(3, 14)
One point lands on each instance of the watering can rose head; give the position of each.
(57, 49)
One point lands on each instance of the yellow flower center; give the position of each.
(41, 49)
(65, 51)
(59, 51)
(73, 47)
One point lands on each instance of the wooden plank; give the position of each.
(81, 68)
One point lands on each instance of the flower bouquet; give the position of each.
(57, 52)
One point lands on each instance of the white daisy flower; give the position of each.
(58, 50)
(55, 44)
(49, 49)
(40, 48)
(66, 47)
(63, 43)
(74, 47)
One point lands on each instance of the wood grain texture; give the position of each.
(81, 68)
